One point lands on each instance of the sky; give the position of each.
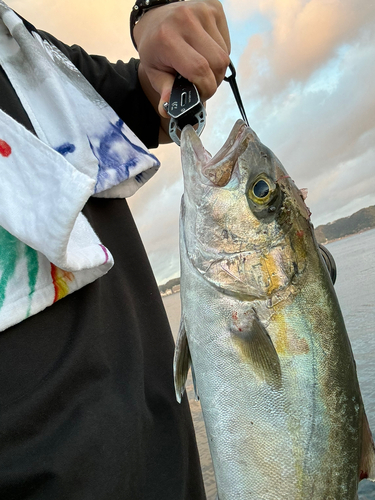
(305, 70)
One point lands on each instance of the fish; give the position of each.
(262, 330)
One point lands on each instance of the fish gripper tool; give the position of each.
(184, 107)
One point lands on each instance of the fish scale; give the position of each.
(263, 330)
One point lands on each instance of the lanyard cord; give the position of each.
(231, 79)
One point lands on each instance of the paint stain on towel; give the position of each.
(66, 148)
(105, 253)
(32, 271)
(10, 251)
(61, 280)
(5, 149)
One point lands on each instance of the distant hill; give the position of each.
(168, 286)
(359, 221)
(355, 223)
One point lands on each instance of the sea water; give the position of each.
(355, 288)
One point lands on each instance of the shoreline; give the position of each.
(347, 236)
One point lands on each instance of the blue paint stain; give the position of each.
(113, 147)
(119, 125)
(66, 148)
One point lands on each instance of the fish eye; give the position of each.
(263, 196)
(261, 189)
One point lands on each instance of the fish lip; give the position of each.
(225, 158)
(219, 169)
(189, 137)
(237, 135)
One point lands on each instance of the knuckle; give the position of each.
(162, 36)
(207, 88)
(205, 11)
(202, 67)
(224, 60)
(210, 90)
(189, 19)
(184, 13)
(215, 7)
(208, 14)
(219, 67)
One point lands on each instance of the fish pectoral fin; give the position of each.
(256, 348)
(181, 362)
(367, 465)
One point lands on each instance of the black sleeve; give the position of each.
(119, 86)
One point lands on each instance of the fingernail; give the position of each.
(163, 110)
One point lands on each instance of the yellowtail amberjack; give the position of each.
(262, 325)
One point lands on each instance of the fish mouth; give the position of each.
(218, 169)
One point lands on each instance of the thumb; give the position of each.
(162, 82)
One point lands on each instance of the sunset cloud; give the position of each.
(307, 85)
(304, 36)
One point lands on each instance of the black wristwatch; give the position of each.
(142, 6)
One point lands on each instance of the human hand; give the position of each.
(190, 38)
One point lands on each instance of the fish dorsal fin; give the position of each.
(257, 349)
(367, 465)
(181, 362)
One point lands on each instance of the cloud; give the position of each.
(304, 35)
(327, 124)
(239, 10)
(320, 132)
(343, 190)
(306, 81)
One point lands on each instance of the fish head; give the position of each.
(244, 223)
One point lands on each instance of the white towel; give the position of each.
(82, 148)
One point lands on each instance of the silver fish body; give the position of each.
(262, 327)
